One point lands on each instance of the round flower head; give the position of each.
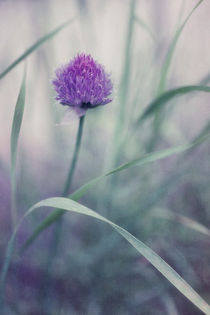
(82, 84)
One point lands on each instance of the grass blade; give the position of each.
(163, 99)
(205, 80)
(158, 120)
(171, 50)
(192, 224)
(16, 125)
(123, 88)
(35, 46)
(69, 205)
(148, 158)
(144, 25)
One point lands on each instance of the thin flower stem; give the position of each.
(75, 158)
(47, 283)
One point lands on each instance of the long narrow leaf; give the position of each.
(144, 26)
(148, 158)
(36, 45)
(163, 99)
(16, 125)
(123, 88)
(171, 50)
(169, 273)
(188, 222)
(158, 120)
(205, 80)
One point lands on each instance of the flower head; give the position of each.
(82, 84)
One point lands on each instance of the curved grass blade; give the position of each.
(169, 304)
(123, 88)
(144, 26)
(171, 50)
(163, 99)
(16, 125)
(69, 205)
(205, 80)
(147, 158)
(158, 120)
(36, 45)
(192, 224)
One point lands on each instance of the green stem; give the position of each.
(74, 159)
(47, 283)
(159, 118)
(121, 115)
(124, 86)
(13, 203)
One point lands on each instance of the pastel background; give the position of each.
(95, 271)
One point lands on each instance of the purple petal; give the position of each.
(82, 81)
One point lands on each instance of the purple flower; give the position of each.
(82, 84)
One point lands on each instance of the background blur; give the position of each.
(95, 271)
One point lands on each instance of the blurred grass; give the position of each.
(158, 119)
(35, 46)
(144, 25)
(97, 273)
(16, 125)
(148, 158)
(124, 86)
(163, 99)
(165, 214)
(70, 205)
(171, 51)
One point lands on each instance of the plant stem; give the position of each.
(159, 118)
(47, 283)
(75, 158)
(122, 111)
(124, 87)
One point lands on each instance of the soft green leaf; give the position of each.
(36, 45)
(158, 119)
(16, 125)
(144, 26)
(169, 273)
(192, 224)
(123, 87)
(148, 158)
(163, 99)
(171, 50)
(205, 80)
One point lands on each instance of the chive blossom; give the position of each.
(82, 84)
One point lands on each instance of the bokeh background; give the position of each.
(95, 271)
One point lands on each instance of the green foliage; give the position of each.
(148, 158)
(35, 46)
(171, 50)
(175, 217)
(144, 25)
(131, 201)
(163, 99)
(168, 272)
(16, 125)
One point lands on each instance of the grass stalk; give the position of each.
(16, 126)
(159, 117)
(47, 286)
